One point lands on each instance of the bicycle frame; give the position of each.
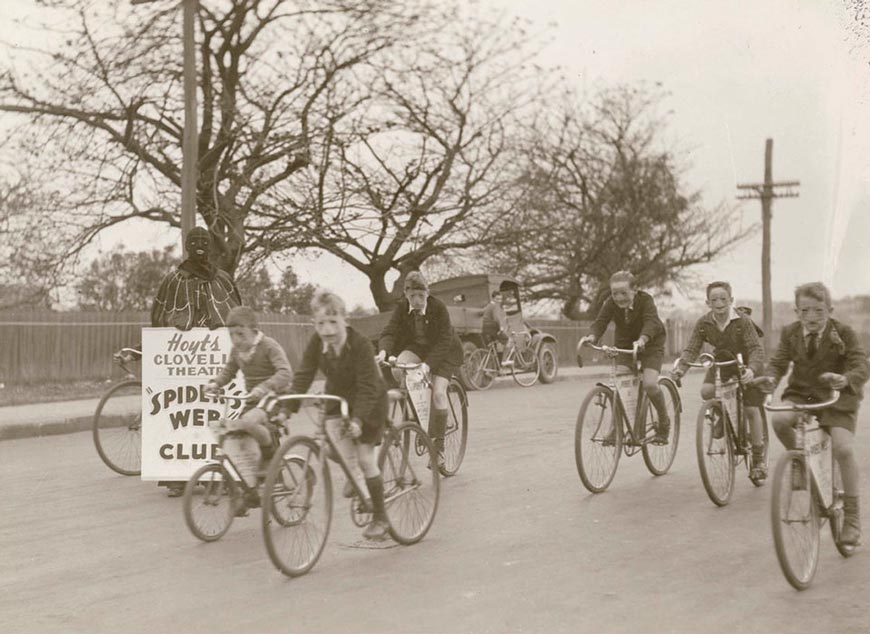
(512, 355)
(815, 444)
(327, 446)
(628, 394)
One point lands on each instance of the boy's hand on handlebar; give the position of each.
(747, 375)
(212, 389)
(833, 380)
(381, 356)
(766, 384)
(354, 428)
(257, 393)
(588, 339)
(640, 343)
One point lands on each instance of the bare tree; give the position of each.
(102, 113)
(601, 193)
(422, 162)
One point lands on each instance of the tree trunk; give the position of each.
(384, 299)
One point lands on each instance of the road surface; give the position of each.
(517, 546)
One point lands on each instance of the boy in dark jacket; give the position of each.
(347, 359)
(420, 331)
(727, 330)
(637, 322)
(826, 355)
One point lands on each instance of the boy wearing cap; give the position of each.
(419, 331)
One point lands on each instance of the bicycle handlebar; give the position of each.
(393, 362)
(799, 407)
(613, 350)
(345, 408)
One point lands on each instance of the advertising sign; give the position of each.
(176, 413)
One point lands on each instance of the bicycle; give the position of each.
(485, 364)
(599, 439)
(117, 424)
(220, 491)
(800, 505)
(297, 493)
(722, 437)
(414, 405)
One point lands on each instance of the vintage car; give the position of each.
(465, 297)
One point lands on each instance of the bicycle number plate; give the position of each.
(818, 445)
(627, 387)
(728, 398)
(244, 452)
(420, 394)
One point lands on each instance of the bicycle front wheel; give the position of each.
(659, 458)
(597, 440)
(210, 500)
(526, 367)
(117, 428)
(456, 433)
(297, 506)
(715, 453)
(481, 369)
(411, 482)
(794, 519)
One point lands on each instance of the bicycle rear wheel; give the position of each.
(526, 366)
(597, 440)
(211, 497)
(794, 519)
(297, 506)
(659, 458)
(837, 513)
(411, 482)
(481, 369)
(456, 433)
(117, 428)
(715, 453)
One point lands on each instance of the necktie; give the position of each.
(812, 340)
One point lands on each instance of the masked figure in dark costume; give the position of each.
(198, 294)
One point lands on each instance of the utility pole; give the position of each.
(766, 192)
(189, 144)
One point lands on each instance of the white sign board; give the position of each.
(818, 444)
(176, 365)
(420, 394)
(627, 386)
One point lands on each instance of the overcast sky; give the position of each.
(738, 72)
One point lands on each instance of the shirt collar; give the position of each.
(732, 315)
(325, 347)
(422, 312)
(807, 333)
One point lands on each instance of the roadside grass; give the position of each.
(50, 392)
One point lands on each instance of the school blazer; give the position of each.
(444, 344)
(838, 350)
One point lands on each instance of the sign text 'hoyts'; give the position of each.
(186, 357)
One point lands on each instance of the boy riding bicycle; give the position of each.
(637, 323)
(420, 331)
(729, 331)
(494, 325)
(826, 355)
(266, 369)
(346, 358)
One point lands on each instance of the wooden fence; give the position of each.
(45, 346)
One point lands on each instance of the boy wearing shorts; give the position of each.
(266, 369)
(420, 331)
(347, 360)
(826, 354)
(729, 331)
(637, 323)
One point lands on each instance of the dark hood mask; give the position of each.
(198, 246)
